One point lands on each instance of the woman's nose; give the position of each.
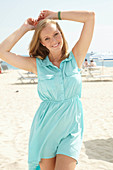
(53, 40)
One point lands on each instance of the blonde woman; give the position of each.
(57, 128)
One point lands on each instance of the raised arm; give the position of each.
(88, 19)
(25, 63)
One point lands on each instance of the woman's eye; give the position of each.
(56, 33)
(47, 39)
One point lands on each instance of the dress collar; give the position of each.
(47, 62)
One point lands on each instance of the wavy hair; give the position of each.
(37, 50)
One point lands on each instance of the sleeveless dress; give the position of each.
(57, 127)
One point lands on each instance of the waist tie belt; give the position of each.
(64, 100)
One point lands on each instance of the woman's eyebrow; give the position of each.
(53, 33)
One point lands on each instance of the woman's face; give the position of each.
(51, 37)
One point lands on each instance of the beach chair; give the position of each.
(4, 67)
(104, 76)
(84, 72)
(30, 74)
(96, 72)
(28, 79)
(91, 71)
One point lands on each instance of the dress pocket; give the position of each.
(46, 83)
(46, 77)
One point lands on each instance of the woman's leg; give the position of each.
(47, 164)
(65, 162)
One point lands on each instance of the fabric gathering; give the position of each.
(57, 126)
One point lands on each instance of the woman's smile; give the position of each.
(56, 45)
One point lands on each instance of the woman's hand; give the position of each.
(47, 14)
(30, 24)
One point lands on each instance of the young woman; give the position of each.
(57, 129)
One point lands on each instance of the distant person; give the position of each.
(86, 64)
(92, 63)
(57, 129)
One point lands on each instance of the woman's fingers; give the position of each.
(42, 15)
(46, 14)
(40, 18)
(29, 21)
(36, 22)
(32, 22)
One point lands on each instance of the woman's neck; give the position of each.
(54, 57)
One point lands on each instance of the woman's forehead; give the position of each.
(50, 28)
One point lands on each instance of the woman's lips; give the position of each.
(56, 45)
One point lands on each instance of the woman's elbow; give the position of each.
(92, 14)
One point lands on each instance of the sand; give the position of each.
(18, 104)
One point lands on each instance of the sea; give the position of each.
(106, 63)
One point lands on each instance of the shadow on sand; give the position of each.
(92, 81)
(25, 83)
(100, 149)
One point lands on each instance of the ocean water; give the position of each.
(10, 67)
(106, 63)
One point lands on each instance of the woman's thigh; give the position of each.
(47, 164)
(65, 162)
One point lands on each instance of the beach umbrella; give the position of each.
(102, 57)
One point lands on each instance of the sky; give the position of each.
(13, 14)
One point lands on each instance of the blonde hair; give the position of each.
(36, 49)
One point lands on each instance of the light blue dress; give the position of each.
(57, 127)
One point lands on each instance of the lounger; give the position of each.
(29, 79)
(96, 72)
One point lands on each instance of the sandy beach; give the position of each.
(18, 104)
